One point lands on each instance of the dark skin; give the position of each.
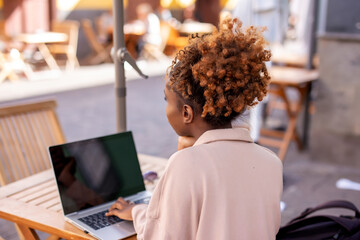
(186, 122)
(185, 142)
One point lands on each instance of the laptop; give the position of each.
(91, 174)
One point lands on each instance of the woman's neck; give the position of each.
(201, 127)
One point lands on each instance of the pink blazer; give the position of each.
(224, 187)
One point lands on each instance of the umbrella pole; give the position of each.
(120, 88)
(120, 55)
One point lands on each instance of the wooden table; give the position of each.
(34, 203)
(283, 78)
(288, 57)
(40, 40)
(132, 34)
(196, 27)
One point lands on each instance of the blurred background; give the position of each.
(61, 50)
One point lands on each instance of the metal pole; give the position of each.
(313, 13)
(119, 43)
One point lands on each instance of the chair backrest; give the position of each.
(26, 131)
(171, 38)
(3, 35)
(165, 31)
(71, 28)
(2, 27)
(291, 58)
(91, 36)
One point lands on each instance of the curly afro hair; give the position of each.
(222, 73)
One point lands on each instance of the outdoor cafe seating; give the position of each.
(24, 53)
(100, 52)
(68, 48)
(12, 64)
(289, 75)
(41, 40)
(26, 130)
(28, 192)
(172, 40)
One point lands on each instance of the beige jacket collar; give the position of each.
(227, 134)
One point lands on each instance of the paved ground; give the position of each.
(87, 109)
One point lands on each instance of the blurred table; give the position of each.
(196, 27)
(281, 55)
(34, 203)
(283, 78)
(132, 34)
(40, 40)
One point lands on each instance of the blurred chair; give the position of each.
(13, 63)
(26, 131)
(286, 102)
(283, 56)
(69, 48)
(2, 30)
(151, 51)
(103, 28)
(101, 53)
(165, 32)
(172, 41)
(6, 70)
(2, 26)
(3, 36)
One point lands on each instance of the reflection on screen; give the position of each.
(96, 171)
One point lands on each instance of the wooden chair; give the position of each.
(6, 70)
(69, 48)
(290, 67)
(2, 29)
(3, 35)
(100, 53)
(172, 40)
(283, 79)
(26, 131)
(157, 52)
(290, 58)
(11, 64)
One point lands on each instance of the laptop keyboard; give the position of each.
(99, 220)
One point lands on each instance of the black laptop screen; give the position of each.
(95, 171)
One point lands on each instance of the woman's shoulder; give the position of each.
(187, 157)
(184, 165)
(183, 154)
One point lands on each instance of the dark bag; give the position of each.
(323, 226)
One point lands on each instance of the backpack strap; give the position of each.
(349, 224)
(331, 204)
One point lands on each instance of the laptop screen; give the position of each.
(95, 171)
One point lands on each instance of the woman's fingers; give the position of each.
(119, 204)
(121, 200)
(121, 210)
(115, 212)
(116, 206)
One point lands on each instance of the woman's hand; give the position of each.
(121, 209)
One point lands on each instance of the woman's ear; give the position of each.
(187, 114)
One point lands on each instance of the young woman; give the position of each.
(224, 186)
